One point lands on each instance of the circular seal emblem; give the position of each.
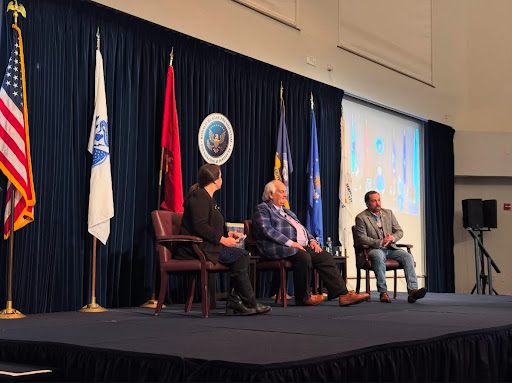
(216, 139)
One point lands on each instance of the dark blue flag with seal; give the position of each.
(314, 208)
(283, 165)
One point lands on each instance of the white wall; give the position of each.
(238, 28)
(472, 72)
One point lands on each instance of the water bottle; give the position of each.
(328, 245)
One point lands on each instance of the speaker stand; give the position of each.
(482, 280)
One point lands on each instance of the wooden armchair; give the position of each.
(167, 227)
(363, 262)
(263, 264)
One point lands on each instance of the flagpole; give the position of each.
(9, 312)
(152, 302)
(93, 307)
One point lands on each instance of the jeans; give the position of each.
(378, 258)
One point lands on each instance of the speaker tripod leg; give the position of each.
(483, 279)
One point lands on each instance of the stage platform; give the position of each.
(443, 337)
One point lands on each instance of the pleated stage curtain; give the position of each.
(439, 200)
(53, 254)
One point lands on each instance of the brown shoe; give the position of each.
(312, 301)
(416, 294)
(352, 298)
(384, 297)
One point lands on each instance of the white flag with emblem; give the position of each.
(346, 218)
(101, 201)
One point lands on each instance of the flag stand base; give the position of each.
(92, 307)
(11, 313)
(151, 304)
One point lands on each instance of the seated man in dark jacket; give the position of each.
(279, 234)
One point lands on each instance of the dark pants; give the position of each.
(304, 261)
(238, 262)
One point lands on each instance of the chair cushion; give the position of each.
(272, 265)
(391, 264)
(177, 265)
(210, 266)
(180, 265)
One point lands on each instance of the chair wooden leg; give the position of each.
(192, 289)
(367, 272)
(204, 293)
(282, 286)
(161, 296)
(394, 291)
(358, 280)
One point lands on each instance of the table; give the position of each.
(338, 260)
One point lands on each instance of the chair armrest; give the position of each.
(362, 257)
(404, 245)
(180, 238)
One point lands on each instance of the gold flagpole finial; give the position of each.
(312, 102)
(281, 91)
(98, 39)
(16, 9)
(171, 56)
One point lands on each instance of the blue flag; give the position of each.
(314, 209)
(283, 166)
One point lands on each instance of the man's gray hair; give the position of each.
(269, 188)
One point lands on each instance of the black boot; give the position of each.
(244, 289)
(235, 306)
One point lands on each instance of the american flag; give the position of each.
(15, 160)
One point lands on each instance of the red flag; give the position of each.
(173, 198)
(15, 160)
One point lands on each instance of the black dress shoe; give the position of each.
(235, 306)
(416, 294)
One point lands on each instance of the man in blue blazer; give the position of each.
(279, 234)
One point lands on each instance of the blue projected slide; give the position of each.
(385, 157)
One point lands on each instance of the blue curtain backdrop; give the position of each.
(439, 199)
(52, 254)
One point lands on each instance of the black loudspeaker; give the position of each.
(490, 207)
(472, 213)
